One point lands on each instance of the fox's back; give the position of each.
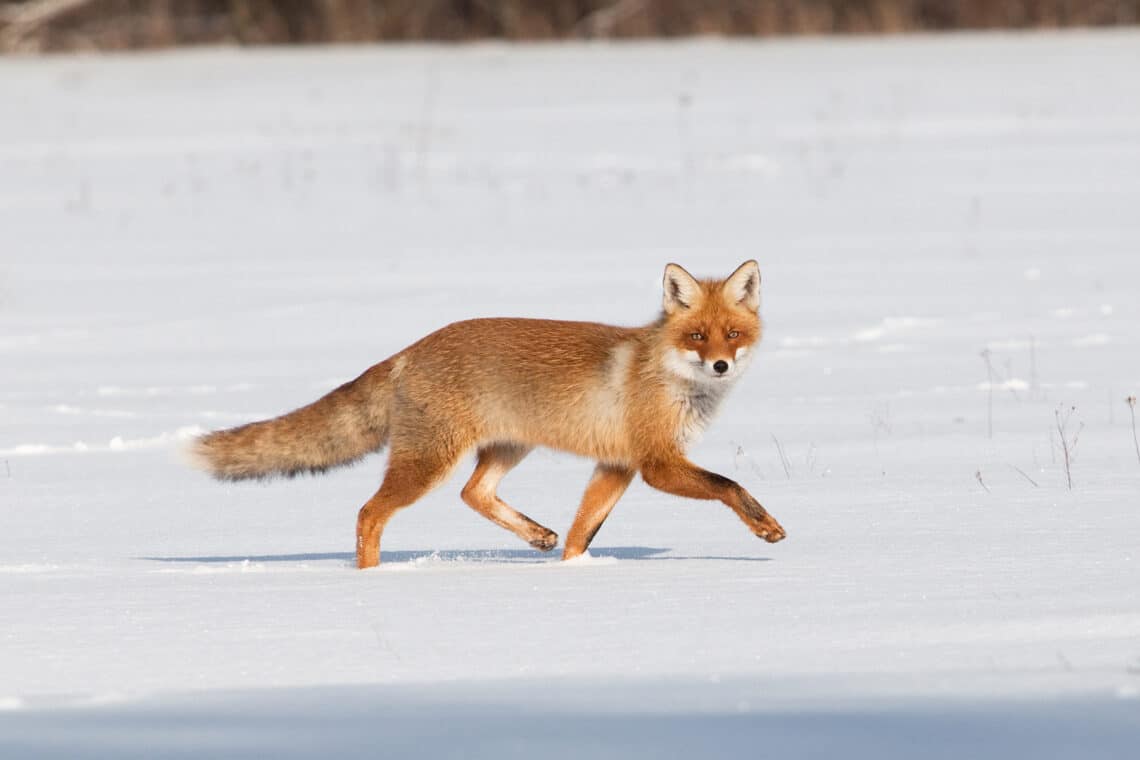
(548, 382)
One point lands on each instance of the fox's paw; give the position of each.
(769, 530)
(545, 542)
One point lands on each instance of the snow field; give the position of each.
(191, 240)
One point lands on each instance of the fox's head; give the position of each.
(711, 325)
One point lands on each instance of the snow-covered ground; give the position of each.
(191, 240)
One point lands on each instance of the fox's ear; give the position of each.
(743, 286)
(682, 291)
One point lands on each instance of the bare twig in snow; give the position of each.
(981, 482)
(1067, 446)
(1131, 401)
(783, 458)
(742, 457)
(383, 644)
(1022, 473)
(880, 418)
(1009, 384)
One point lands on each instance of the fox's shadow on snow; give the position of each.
(520, 556)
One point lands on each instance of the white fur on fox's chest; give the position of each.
(697, 404)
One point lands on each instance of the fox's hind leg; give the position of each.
(606, 486)
(411, 474)
(495, 461)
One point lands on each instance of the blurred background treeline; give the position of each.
(68, 25)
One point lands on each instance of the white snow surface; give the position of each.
(191, 240)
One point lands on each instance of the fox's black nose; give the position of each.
(721, 366)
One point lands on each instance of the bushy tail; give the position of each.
(337, 429)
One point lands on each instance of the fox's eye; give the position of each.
(696, 336)
(733, 333)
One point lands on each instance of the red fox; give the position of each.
(630, 398)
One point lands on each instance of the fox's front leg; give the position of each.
(606, 487)
(679, 476)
